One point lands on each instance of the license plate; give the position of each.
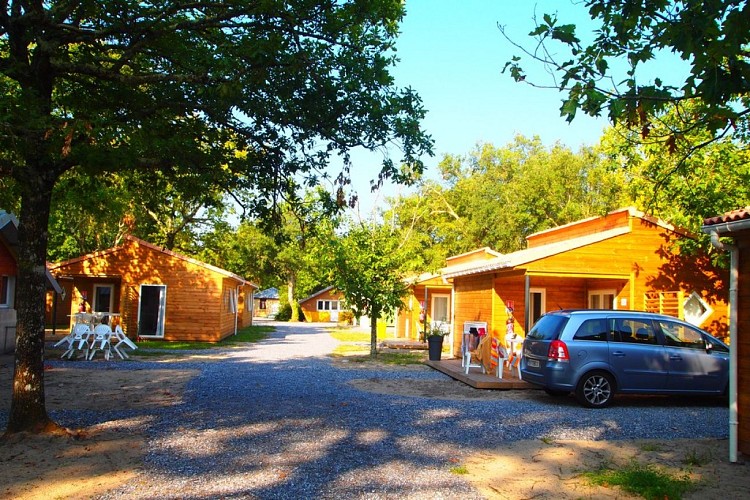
(533, 363)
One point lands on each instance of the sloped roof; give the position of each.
(733, 216)
(268, 293)
(156, 248)
(515, 259)
(9, 232)
(319, 292)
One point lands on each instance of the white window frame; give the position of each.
(703, 317)
(447, 298)
(329, 305)
(601, 293)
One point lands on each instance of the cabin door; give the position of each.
(151, 310)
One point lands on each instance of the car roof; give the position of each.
(610, 312)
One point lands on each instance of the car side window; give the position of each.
(679, 335)
(634, 331)
(592, 330)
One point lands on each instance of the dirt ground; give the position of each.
(99, 458)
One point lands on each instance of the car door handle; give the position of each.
(675, 357)
(618, 354)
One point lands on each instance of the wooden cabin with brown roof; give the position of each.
(624, 260)
(156, 293)
(322, 306)
(736, 225)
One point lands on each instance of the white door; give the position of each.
(335, 310)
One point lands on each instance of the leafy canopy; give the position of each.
(712, 38)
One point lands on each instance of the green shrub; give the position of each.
(285, 313)
(346, 318)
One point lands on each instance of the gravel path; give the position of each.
(279, 420)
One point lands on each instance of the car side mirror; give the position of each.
(709, 347)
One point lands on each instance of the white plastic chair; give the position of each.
(466, 352)
(122, 339)
(79, 339)
(102, 334)
(68, 338)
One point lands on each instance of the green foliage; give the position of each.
(686, 185)
(712, 39)
(643, 480)
(367, 266)
(207, 98)
(496, 196)
(285, 313)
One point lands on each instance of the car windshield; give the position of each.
(548, 327)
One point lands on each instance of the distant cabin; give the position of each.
(322, 306)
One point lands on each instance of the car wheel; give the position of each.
(595, 390)
(554, 393)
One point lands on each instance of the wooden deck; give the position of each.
(479, 380)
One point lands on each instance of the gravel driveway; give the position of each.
(279, 420)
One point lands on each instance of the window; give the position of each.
(634, 331)
(548, 328)
(593, 330)
(6, 291)
(696, 310)
(232, 301)
(103, 298)
(262, 304)
(537, 304)
(677, 335)
(602, 299)
(328, 305)
(440, 308)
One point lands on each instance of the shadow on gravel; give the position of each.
(247, 425)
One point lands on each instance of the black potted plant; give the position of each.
(434, 334)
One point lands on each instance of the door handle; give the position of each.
(619, 354)
(675, 357)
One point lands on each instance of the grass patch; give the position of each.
(343, 335)
(344, 349)
(651, 447)
(248, 334)
(697, 459)
(459, 469)
(390, 358)
(643, 480)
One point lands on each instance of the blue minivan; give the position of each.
(597, 353)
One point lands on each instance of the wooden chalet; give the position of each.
(322, 306)
(157, 293)
(736, 225)
(429, 300)
(267, 303)
(624, 260)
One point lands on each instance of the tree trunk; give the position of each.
(290, 287)
(28, 411)
(374, 333)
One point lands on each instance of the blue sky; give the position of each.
(452, 53)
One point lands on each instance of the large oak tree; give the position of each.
(242, 94)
